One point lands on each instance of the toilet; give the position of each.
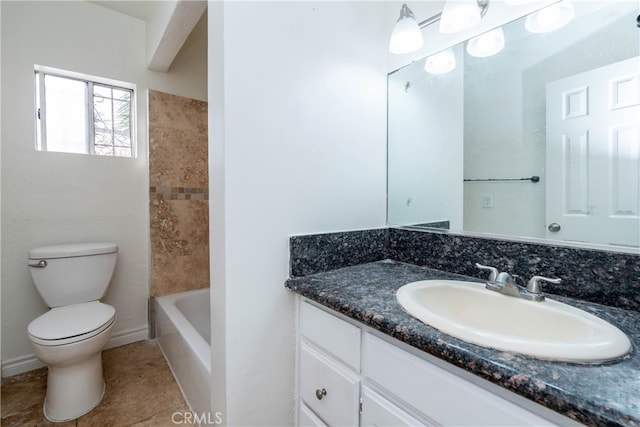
(69, 338)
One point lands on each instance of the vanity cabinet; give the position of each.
(350, 375)
(329, 368)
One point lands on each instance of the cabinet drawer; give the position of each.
(332, 334)
(379, 412)
(329, 390)
(441, 395)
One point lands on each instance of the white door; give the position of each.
(593, 162)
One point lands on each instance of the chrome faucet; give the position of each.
(505, 284)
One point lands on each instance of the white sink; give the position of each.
(547, 330)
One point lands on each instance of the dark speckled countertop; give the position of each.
(598, 395)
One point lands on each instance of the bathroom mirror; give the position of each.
(540, 140)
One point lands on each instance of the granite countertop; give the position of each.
(598, 395)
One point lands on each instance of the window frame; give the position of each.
(40, 72)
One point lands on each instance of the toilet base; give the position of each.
(75, 384)
(74, 390)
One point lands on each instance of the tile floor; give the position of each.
(140, 392)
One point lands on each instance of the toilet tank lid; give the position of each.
(72, 250)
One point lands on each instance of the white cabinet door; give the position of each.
(593, 156)
(329, 390)
(379, 412)
(306, 418)
(436, 393)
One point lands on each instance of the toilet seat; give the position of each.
(71, 323)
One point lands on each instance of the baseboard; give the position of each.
(129, 336)
(29, 362)
(21, 364)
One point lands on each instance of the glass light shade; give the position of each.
(459, 15)
(406, 36)
(550, 18)
(517, 2)
(486, 44)
(441, 62)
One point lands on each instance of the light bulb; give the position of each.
(486, 44)
(550, 18)
(441, 62)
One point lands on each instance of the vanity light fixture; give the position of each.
(460, 15)
(457, 14)
(406, 36)
(486, 44)
(551, 17)
(441, 62)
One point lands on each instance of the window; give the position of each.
(81, 114)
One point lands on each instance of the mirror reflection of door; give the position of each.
(593, 161)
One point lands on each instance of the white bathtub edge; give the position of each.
(185, 350)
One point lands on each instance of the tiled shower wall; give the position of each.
(178, 194)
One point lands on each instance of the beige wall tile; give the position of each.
(178, 180)
(179, 246)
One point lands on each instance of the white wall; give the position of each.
(425, 153)
(297, 145)
(51, 198)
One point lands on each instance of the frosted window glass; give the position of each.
(66, 125)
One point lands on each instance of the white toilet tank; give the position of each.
(74, 273)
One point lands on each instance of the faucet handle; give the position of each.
(533, 286)
(493, 271)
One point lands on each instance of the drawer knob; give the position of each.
(321, 393)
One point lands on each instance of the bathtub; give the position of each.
(183, 333)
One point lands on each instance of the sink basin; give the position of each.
(546, 330)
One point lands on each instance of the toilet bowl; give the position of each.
(70, 337)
